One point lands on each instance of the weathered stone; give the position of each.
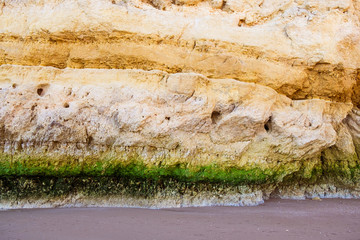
(269, 84)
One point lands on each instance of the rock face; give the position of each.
(177, 103)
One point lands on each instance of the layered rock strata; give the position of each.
(178, 103)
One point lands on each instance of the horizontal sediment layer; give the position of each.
(135, 35)
(213, 59)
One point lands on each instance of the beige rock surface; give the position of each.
(182, 113)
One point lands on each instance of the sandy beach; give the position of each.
(276, 219)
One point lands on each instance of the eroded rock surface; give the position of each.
(271, 85)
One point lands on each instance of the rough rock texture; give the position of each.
(264, 93)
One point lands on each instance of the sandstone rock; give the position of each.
(268, 85)
(135, 108)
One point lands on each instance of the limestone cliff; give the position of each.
(174, 103)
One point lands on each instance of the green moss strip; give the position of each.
(22, 166)
(23, 176)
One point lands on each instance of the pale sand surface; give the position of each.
(276, 219)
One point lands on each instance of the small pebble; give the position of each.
(316, 199)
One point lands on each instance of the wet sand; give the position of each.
(276, 219)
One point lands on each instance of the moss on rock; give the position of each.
(24, 176)
(134, 168)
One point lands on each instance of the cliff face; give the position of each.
(178, 102)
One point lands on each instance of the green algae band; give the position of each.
(134, 169)
(24, 177)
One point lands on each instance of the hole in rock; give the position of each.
(40, 91)
(267, 125)
(66, 105)
(90, 139)
(69, 91)
(14, 85)
(215, 117)
(167, 118)
(241, 22)
(33, 107)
